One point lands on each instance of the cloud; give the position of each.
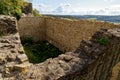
(43, 8)
(68, 9)
(63, 8)
(109, 0)
(42, 5)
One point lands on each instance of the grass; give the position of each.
(39, 51)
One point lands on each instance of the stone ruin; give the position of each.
(95, 59)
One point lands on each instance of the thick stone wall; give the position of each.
(96, 59)
(32, 26)
(13, 60)
(65, 34)
(103, 62)
(92, 60)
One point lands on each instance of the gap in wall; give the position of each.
(39, 51)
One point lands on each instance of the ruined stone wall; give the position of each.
(95, 59)
(103, 60)
(65, 34)
(27, 9)
(13, 60)
(92, 60)
(32, 26)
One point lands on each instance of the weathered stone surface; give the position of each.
(10, 52)
(7, 25)
(116, 72)
(101, 63)
(11, 57)
(66, 34)
(22, 57)
(22, 67)
(92, 60)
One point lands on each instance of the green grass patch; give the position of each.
(39, 51)
(103, 41)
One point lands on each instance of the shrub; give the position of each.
(36, 12)
(103, 41)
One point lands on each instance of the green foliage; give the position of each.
(103, 41)
(39, 51)
(11, 7)
(36, 12)
(26, 40)
(29, 1)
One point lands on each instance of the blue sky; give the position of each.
(78, 7)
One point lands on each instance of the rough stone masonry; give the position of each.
(13, 60)
(96, 59)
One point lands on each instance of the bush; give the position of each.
(12, 7)
(103, 41)
(36, 12)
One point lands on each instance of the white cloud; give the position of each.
(109, 0)
(63, 8)
(43, 8)
(69, 9)
(42, 5)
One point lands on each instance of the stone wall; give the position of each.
(103, 59)
(32, 26)
(94, 59)
(13, 60)
(27, 9)
(65, 34)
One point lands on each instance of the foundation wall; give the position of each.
(32, 26)
(65, 34)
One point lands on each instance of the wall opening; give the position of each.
(39, 51)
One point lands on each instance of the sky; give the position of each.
(78, 7)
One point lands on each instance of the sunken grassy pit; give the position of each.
(39, 51)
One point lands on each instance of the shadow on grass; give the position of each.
(39, 51)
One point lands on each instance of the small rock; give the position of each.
(9, 69)
(23, 68)
(65, 57)
(21, 51)
(2, 58)
(64, 65)
(22, 57)
(16, 42)
(11, 57)
(0, 76)
(52, 67)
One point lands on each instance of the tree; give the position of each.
(12, 7)
(29, 1)
(36, 12)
